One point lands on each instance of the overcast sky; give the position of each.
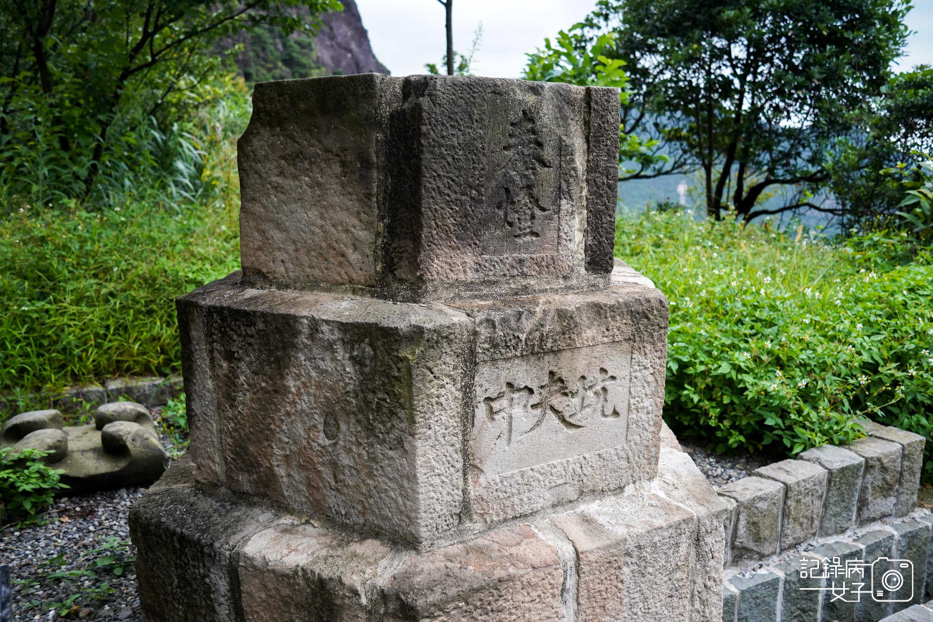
(406, 34)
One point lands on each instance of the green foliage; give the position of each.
(89, 295)
(83, 86)
(577, 58)
(114, 557)
(779, 343)
(920, 217)
(751, 93)
(27, 485)
(175, 424)
(871, 163)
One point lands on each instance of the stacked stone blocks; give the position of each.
(824, 492)
(431, 394)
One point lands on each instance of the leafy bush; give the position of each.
(26, 483)
(780, 342)
(91, 295)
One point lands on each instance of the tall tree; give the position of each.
(754, 91)
(84, 72)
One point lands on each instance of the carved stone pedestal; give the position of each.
(428, 396)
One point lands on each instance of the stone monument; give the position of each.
(428, 395)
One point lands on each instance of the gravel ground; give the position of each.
(49, 560)
(75, 562)
(722, 470)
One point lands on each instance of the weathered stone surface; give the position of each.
(927, 518)
(150, 392)
(568, 397)
(122, 411)
(728, 527)
(878, 495)
(683, 483)
(122, 454)
(758, 596)
(913, 541)
(505, 574)
(911, 462)
(293, 571)
(730, 602)
(426, 179)
(805, 488)
(841, 609)
(758, 524)
(187, 543)
(914, 613)
(22, 424)
(877, 544)
(669, 439)
(845, 479)
(346, 408)
(800, 596)
(52, 440)
(635, 557)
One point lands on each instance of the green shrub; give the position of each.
(27, 484)
(91, 295)
(780, 342)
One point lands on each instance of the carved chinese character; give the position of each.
(506, 405)
(597, 397)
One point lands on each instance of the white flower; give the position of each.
(116, 209)
(24, 308)
(768, 345)
(774, 387)
(862, 380)
(858, 326)
(838, 302)
(801, 384)
(734, 283)
(925, 352)
(115, 268)
(818, 295)
(912, 372)
(767, 279)
(806, 320)
(747, 355)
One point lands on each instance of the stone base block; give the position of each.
(423, 423)
(653, 554)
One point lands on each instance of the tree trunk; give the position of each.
(449, 25)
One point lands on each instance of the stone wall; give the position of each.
(824, 492)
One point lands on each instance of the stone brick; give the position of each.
(927, 518)
(839, 609)
(568, 397)
(758, 523)
(187, 543)
(344, 408)
(682, 482)
(877, 544)
(915, 613)
(730, 602)
(505, 574)
(732, 516)
(427, 180)
(911, 462)
(913, 541)
(635, 557)
(845, 479)
(805, 489)
(758, 596)
(878, 495)
(800, 596)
